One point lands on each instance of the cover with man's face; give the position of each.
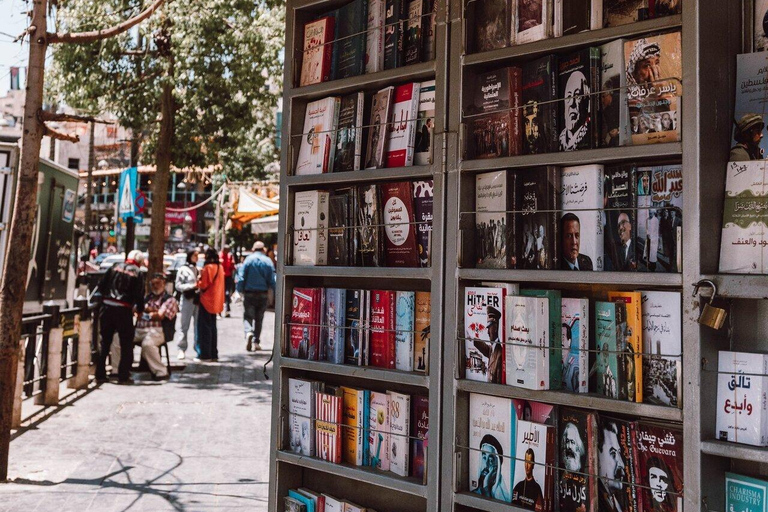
(660, 468)
(576, 437)
(531, 460)
(492, 451)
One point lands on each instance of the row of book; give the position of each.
(383, 430)
(307, 500)
(625, 92)
(501, 23)
(367, 36)
(588, 217)
(545, 458)
(370, 225)
(380, 328)
(399, 130)
(537, 339)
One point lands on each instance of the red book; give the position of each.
(327, 428)
(305, 321)
(419, 431)
(316, 57)
(401, 138)
(659, 457)
(382, 344)
(399, 224)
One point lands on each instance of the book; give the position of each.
(577, 435)
(365, 341)
(492, 438)
(333, 504)
(526, 328)
(414, 33)
(350, 44)
(369, 232)
(483, 328)
(614, 120)
(654, 87)
(399, 428)
(555, 333)
(355, 419)
(423, 205)
(495, 194)
(318, 139)
(393, 33)
(659, 8)
(355, 327)
(400, 232)
(539, 106)
(578, 78)
(349, 140)
(419, 432)
(317, 499)
(620, 194)
(744, 239)
(534, 20)
(659, 456)
(624, 12)
(744, 493)
(378, 434)
(575, 353)
(581, 221)
(310, 220)
(421, 327)
(425, 124)
(338, 229)
(335, 320)
(493, 20)
(662, 345)
(401, 139)
(742, 410)
(353, 207)
(645, 238)
(351, 507)
(574, 16)
(492, 114)
(531, 466)
(616, 463)
(374, 55)
(305, 323)
(301, 413)
(327, 427)
(760, 38)
(293, 505)
(538, 228)
(663, 252)
(378, 133)
(608, 317)
(382, 343)
(316, 57)
(303, 499)
(429, 26)
(633, 342)
(405, 310)
(751, 91)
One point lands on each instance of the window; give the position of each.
(74, 163)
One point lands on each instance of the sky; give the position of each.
(12, 23)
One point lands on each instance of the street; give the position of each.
(198, 442)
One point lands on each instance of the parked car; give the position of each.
(110, 260)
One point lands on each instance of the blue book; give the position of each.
(304, 499)
(366, 439)
(404, 320)
(555, 333)
(335, 318)
(745, 494)
(607, 346)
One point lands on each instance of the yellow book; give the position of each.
(353, 436)
(633, 301)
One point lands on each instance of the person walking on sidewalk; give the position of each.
(211, 286)
(156, 324)
(256, 278)
(122, 293)
(227, 260)
(186, 285)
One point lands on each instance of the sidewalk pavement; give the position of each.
(199, 442)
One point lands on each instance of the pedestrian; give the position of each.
(186, 285)
(227, 261)
(156, 325)
(256, 278)
(122, 293)
(211, 285)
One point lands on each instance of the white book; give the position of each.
(351, 507)
(301, 413)
(492, 224)
(509, 288)
(492, 424)
(374, 57)
(582, 196)
(526, 323)
(310, 221)
(741, 398)
(483, 331)
(662, 344)
(318, 139)
(333, 504)
(596, 15)
(401, 139)
(557, 18)
(425, 124)
(614, 117)
(575, 321)
(404, 324)
(531, 438)
(533, 20)
(400, 429)
(378, 435)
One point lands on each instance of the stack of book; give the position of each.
(307, 500)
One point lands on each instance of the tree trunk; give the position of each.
(130, 225)
(14, 283)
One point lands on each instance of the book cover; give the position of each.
(423, 205)
(659, 8)
(494, 227)
(399, 428)
(645, 238)
(338, 229)
(539, 95)
(422, 327)
(578, 120)
(575, 16)
(414, 32)
(301, 411)
(742, 406)
(317, 499)
(761, 22)
(316, 57)
(633, 342)
(305, 323)
(378, 133)
(306, 501)
(355, 326)
(429, 25)
(310, 223)
(374, 55)
(614, 120)
(351, 41)
(752, 89)
(623, 12)
(369, 233)
(617, 485)
(333, 504)
(327, 427)
(659, 453)
(378, 435)
(355, 422)
(365, 341)
(654, 87)
(531, 475)
(349, 140)
(393, 33)
(419, 432)
(404, 324)
(744, 240)
(492, 114)
(335, 309)
(401, 139)
(382, 329)
(575, 315)
(400, 231)
(293, 505)
(662, 344)
(555, 333)
(483, 332)
(577, 434)
(744, 493)
(534, 20)
(493, 20)
(425, 124)
(581, 221)
(526, 324)
(318, 138)
(492, 441)
(608, 374)
(619, 242)
(665, 220)
(537, 224)
(351, 507)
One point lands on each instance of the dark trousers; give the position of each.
(254, 305)
(229, 289)
(207, 345)
(115, 319)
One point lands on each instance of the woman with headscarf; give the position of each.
(186, 285)
(211, 286)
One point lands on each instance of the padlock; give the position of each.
(710, 316)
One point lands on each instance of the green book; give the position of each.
(607, 345)
(555, 334)
(745, 494)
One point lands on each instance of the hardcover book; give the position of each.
(492, 114)
(382, 329)
(608, 319)
(305, 323)
(614, 120)
(534, 20)
(615, 450)
(355, 327)
(399, 228)
(335, 308)
(659, 454)
(761, 21)
(349, 141)
(654, 87)
(484, 331)
(393, 33)
(378, 133)
(742, 409)
(493, 20)
(621, 223)
(495, 194)
(538, 225)
(581, 221)
(419, 432)
(575, 315)
(422, 328)
(369, 232)
(378, 434)
(404, 324)
(310, 220)
(414, 33)
(350, 44)
(555, 333)
(492, 438)
(327, 427)
(374, 56)
(663, 252)
(526, 324)
(401, 141)
(623, 12)
(534, 447)
(301, 411)
(338, 229)
(316, 57)
(577, 434)
(399, 428)
(539, 86)
(578, 76)
(318, 140)
(662, 344)
(633, 343)
(423, 202)
(425, 124)
(744, 493)
(744, 240)
(355, 413)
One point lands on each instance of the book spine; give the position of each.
(428, 30)
(360, 434)
(328, 49)
(364, 432)
(552, 110)
(516, 116)
(359, 131)
(392, 34)
(336, 46)
(390, 323)
(594, 101)
(412, 118)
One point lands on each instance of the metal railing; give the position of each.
(35, 331)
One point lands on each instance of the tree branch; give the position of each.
(50, 132)
(52, 116)
(98, 35)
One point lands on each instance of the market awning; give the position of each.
(264, 225)
(250, 207)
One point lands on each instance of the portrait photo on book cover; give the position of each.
(490, 479)
(611, 468)
(661, 485)
(570, 229)
(572, 449)
(576, 111)
(527, 492)
(534, 244)
(535, 131)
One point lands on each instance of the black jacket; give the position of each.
(123, 283)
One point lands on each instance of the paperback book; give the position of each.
(533, 21)
(338, 229)
(665, 218)
(526, 324)
(350, 45)
(632, 344)
(382, 344)
(555, 341)
(355, 326)
(577, 486)
(493, 20)
(429, 26)
(378, 133)
(575, 353)
(305, 323)
(616, 443)
(539, 106)
(742, 405)
(659, 455)
(425, 124)
(422, 328)
(404, 336)
(369, 233)
(310, 220)
(495, 194)
(581, 223)
(423, 204)
(301, 411)
(483, 348)
(621, 222)
(355, 411)
(401, 140)
(492, 441)
(492, 114)
(533, 474)
(400, 232)
(317, 54)
(662, 335)
(579, 77)
(414, 32)
(394, 36)
(752, 89)
(374, 55)
(623, 12)
(399, 427)
(335, 308)
(608, 320)
(378, 434)
(419, 432)
(614, 120)
(537, 224)
(318, 138)
(349, 140)
(327, 427)
(744, 493)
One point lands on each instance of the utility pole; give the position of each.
(89, 180)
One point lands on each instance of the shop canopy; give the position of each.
(250, 207)
(264, 225)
